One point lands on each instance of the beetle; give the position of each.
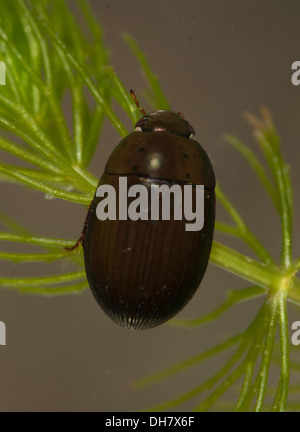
(143, 272)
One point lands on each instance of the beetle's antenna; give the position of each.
(137, 102)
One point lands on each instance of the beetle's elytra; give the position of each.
(143, 272)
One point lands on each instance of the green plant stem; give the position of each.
(252, 337)
(255, 331)
(68, 196)
(283, 387)
(186, 364)
(295, 267)
(207, 384)
(30, 123)
(246, 267)
(267, 354)
(40, 241)
(78, 181)
(160, 99)
(272, 279)
(18, 282)
(54, 290)
(35, 60)
(123, 96)
(249, 371)
(34, 174)
(222, 388)
(27, 155)
(40, 40)
(259, 330)
(89, 83)
(22, 257)
(257, 167)
(242, 231)
(93, 135)
(48, 94)
(277, 166)
(233, 298)
(77, 109)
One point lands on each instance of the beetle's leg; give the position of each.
(81, 238)
(75, 246)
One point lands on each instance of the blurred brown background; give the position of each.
(215, 60)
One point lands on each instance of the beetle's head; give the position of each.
(162, 121)
(165, 121)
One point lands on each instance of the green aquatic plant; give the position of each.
(47, 54)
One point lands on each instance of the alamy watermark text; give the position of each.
(145, 207)
(2, 333)
(2, 73)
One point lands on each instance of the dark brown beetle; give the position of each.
(143, 272)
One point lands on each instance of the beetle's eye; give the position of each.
(141, 122)
(192, 131)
